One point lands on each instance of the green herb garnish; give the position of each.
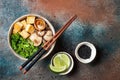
(24, 47)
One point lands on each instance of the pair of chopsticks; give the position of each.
(42, 50)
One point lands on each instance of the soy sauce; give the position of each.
(84, 52)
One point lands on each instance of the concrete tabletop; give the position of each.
(98, 22)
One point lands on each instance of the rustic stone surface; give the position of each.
(98, 22)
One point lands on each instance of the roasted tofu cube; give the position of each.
(24, 23)
(24, 34)
(30, 19)
(17, 27)
(30, 28)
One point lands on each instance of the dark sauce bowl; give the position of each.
(87, 57)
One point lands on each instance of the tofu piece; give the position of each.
(15, 31)
(30, 19)
(30, 28)
(24, 34)
(24, 23)
(17, 27)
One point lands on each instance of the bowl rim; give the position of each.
(22, 17)
(93, 52)
(72, 62)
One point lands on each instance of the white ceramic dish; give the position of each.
(71, 66)
(93, 52)
(21, 18)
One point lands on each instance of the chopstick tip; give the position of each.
(75, 15)
(20, 67)
(24, 72)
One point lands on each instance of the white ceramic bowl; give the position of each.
(71, 66)
(93, 52)
(21, 18)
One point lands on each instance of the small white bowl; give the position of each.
(21, 18)
(93, 52)
(71, 66)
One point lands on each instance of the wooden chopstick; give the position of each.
(49, 43)
(30, 59)
(34, 61)
(45, 47)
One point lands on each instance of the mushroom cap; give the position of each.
(41, 33)
(49, 33)
(47, 37)
(37, 40)
(40, 24)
